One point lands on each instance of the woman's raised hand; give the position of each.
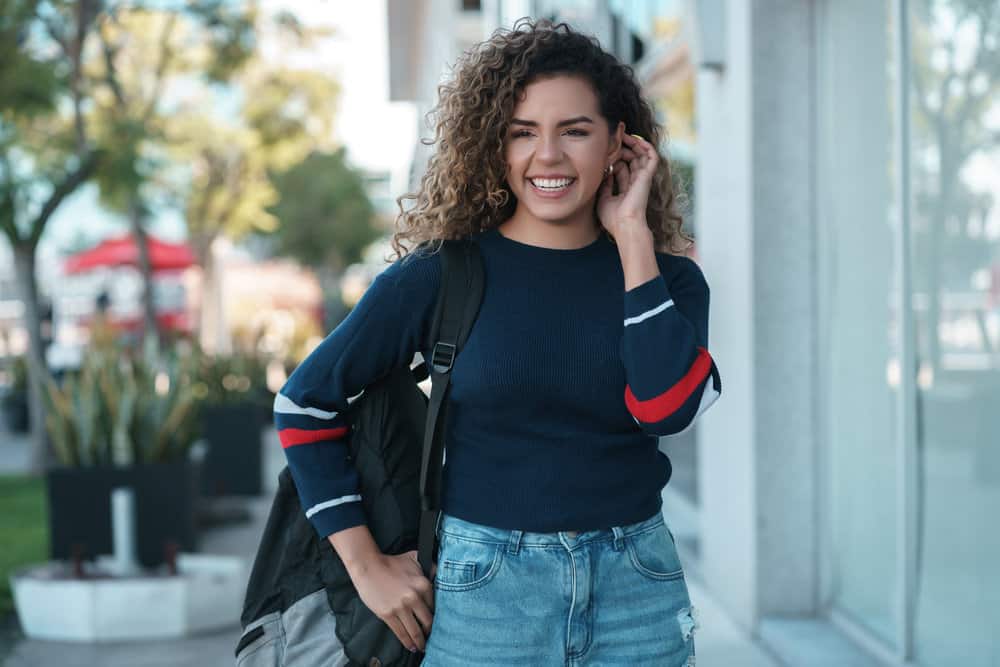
(633, 173)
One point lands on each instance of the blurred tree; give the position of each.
(956, 81)
(85, 87)
(205, 40)
(273, 118)
(45, 151)
(325, 220)
(324, 214)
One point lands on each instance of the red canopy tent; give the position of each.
(122, 250)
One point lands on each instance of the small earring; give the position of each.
(610, 170)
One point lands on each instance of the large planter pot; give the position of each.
(205, 594)
(166, 504)
(233, 465)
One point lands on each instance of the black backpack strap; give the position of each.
(462, 281)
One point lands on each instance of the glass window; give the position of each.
(858, 288)
(954, 78)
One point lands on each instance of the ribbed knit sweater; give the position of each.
(556, 401)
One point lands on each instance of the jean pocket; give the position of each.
(464, 565)
(653, 554)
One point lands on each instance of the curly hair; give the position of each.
(464, 188)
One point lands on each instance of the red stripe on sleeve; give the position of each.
(298, 436)
(660, 407)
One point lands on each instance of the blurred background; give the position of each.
(194, 192)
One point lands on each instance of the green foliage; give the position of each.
(282, 114)
(237, 378)
(231, 36)
(23, 530)
(17, 374)
(123, 166)
(324, 213)
(28, 82)
(119, 410)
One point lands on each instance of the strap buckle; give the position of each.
(442, 357)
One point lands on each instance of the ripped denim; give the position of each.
(607, 597)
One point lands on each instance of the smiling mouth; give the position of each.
(557, 185)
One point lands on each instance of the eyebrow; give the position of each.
(568, 121)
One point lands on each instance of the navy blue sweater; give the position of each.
(556, 400)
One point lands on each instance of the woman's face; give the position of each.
(557, 148)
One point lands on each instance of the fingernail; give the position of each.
(413, 649)
(638, 137)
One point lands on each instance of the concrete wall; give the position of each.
(756, 204)
(727, 434)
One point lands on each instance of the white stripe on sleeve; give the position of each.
(649, 313)
(319, 507)
(286, 406)
(708, 397)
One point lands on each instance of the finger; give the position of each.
(416, 558)
(627, 154)
(637, 145)
(425, 588)
(424, 614)
(647, 166)
(412, 628)
(621, 175)
(400, 631)
(605, 189)
(642, 148)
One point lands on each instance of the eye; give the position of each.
(574, 131)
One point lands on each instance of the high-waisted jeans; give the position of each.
(614, 596)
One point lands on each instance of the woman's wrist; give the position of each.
(356, 547)
(638, 254)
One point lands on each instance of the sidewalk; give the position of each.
(719, 643)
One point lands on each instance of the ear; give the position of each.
(615, 143)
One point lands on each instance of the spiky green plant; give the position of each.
(119, 410)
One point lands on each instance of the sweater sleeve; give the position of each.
(671, 377)
(381, 333)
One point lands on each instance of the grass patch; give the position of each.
(24, 530)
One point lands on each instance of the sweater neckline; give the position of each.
(543, 251)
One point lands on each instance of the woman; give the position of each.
(589, 344)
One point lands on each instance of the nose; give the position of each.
(549, 149)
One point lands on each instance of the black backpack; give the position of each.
(298, 589)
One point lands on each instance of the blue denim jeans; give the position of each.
(614, 596)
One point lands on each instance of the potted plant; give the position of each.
(122, 421)
(235, 402)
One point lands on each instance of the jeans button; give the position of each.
(572, 533)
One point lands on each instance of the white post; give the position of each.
(123, 530)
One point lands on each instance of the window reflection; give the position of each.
(955, 80)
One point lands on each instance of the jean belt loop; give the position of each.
(514, 543)
(619, 537)
(437, 524)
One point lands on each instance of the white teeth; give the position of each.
(551, 183)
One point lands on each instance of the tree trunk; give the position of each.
(151, 334)
(213, 330)
(24, 262)
(333, 305)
